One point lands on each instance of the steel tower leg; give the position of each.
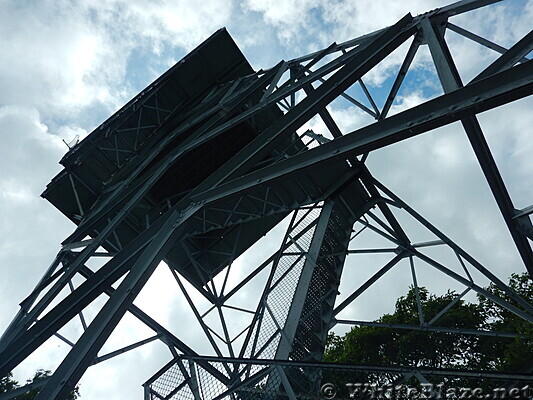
(86, 349)
(451, 80)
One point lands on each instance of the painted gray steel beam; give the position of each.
(401, 75)
(27, 341)
(510, 57)
(486, 94)
(430, 371)
(369, 282)
(166, 335)
(458, 250)
(451, 81)
(501, 302)
(283, 269)
(397, 230)
(347, 44)
(296, 68)
(287, 242)
(464, 6)
(367, 58)
(12, 328)
(324, 114)
(125, 349)
(307, 322)
(316, 315)
(479, 39)
(86, 349)
(427, 328)
(71, 270)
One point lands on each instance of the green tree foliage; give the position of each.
(383, 346)
(8, 384)
(513, 355)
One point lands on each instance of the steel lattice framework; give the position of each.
(208, 159)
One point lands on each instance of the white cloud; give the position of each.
(53, 62)
(62, 57)
(26, 140)
(30, 230)
(291, 18)
(351, 19)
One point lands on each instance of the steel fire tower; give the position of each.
(208, 159)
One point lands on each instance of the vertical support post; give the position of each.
(146, 392)
(86, 349)
(285, 382)
(194, 385)
(450, 80)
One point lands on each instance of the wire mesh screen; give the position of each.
(210, 378)
(205, 378)
(286, 273)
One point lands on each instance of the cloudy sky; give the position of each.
(66, 66)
